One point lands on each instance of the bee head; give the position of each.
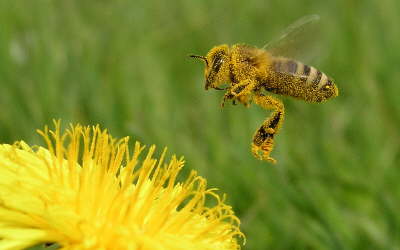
(217, 66)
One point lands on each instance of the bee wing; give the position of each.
(298, 40)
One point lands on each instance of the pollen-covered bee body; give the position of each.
(279, 75)
(251, 72)
(292, 78)
(248, 62)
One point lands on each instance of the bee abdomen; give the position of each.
(291, 78)
(314, 78)
(282, 64)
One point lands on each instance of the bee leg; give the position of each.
(263, 139)
(240, 92)
(227, 96)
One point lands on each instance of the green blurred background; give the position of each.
(124, 65)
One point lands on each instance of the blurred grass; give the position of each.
(124, 65)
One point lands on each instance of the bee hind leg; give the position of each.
(263, 140)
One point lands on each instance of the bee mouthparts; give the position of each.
(218, 88)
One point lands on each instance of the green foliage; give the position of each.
(124, 65)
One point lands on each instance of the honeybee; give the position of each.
(250, 72)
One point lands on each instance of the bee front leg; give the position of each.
(263, 140)
(227, 96)
(240, 92)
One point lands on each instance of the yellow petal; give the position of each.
(86, 190)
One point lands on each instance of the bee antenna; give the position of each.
(200, 57)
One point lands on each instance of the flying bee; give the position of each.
(250, 72)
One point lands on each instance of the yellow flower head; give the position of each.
(86, 191)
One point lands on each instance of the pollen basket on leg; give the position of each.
(263, 139)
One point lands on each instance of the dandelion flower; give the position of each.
(88, 191)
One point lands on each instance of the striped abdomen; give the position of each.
(293, 78)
